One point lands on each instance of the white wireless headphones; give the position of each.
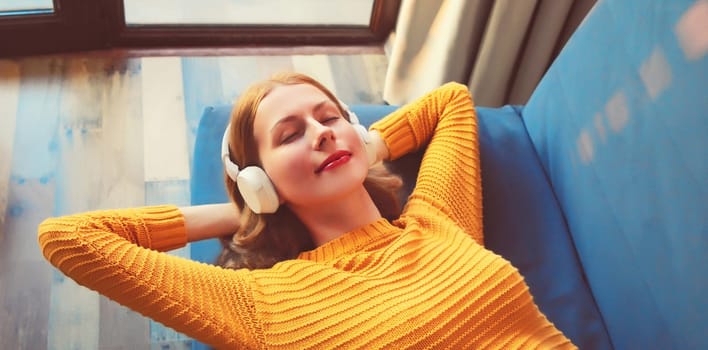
(254, 184)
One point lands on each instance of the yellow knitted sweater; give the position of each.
(423, 281)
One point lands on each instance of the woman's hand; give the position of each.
(210, 221)
(379, 145)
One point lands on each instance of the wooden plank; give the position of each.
(202, 88)
(352, 83)
(24, 301)
(121, 133)
(74, 310)
(122, 182)
(237, 73)
(9, 97)
(35, 147)
(164, 124)
(167, 192)
(165, 135)
(33, 157)
(316, 66)
(166, 153)
(375, 67)
(25, 277)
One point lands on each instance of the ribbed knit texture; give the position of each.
(423, 281)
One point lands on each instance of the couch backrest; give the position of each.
(619, 123)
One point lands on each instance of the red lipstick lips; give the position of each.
(334, 160)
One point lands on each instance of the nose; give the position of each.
(323, 135)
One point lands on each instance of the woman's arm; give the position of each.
(210, 221)
(449, 179)
(116, 253)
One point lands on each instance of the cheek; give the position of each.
(355, 143)
(286, 168)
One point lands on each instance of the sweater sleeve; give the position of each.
(115, 253)
(449, 178)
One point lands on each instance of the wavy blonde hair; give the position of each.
(265, 239)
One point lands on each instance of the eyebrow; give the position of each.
(291, 117)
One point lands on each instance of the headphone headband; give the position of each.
(225, 144)
(231, 168)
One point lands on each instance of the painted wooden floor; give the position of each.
(85, 133)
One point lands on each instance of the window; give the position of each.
(26, 7)
(245, 12)
(46, 26)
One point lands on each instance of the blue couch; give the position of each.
(596, 188)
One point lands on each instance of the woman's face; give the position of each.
(311, 153)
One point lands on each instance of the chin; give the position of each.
(328, 195)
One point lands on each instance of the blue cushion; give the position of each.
(522, 219)
(619, 123)
(523, 223)
(207, 178)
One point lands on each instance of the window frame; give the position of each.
(78, 25)
(72, 26)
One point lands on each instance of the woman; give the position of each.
(327, 269)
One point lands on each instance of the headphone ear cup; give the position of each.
(366, 138)
(257, 190)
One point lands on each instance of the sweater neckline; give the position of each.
(349, 242)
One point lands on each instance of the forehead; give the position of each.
(286, 100)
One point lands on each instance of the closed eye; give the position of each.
(289, 137)
(292, 135)
(330, 119)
